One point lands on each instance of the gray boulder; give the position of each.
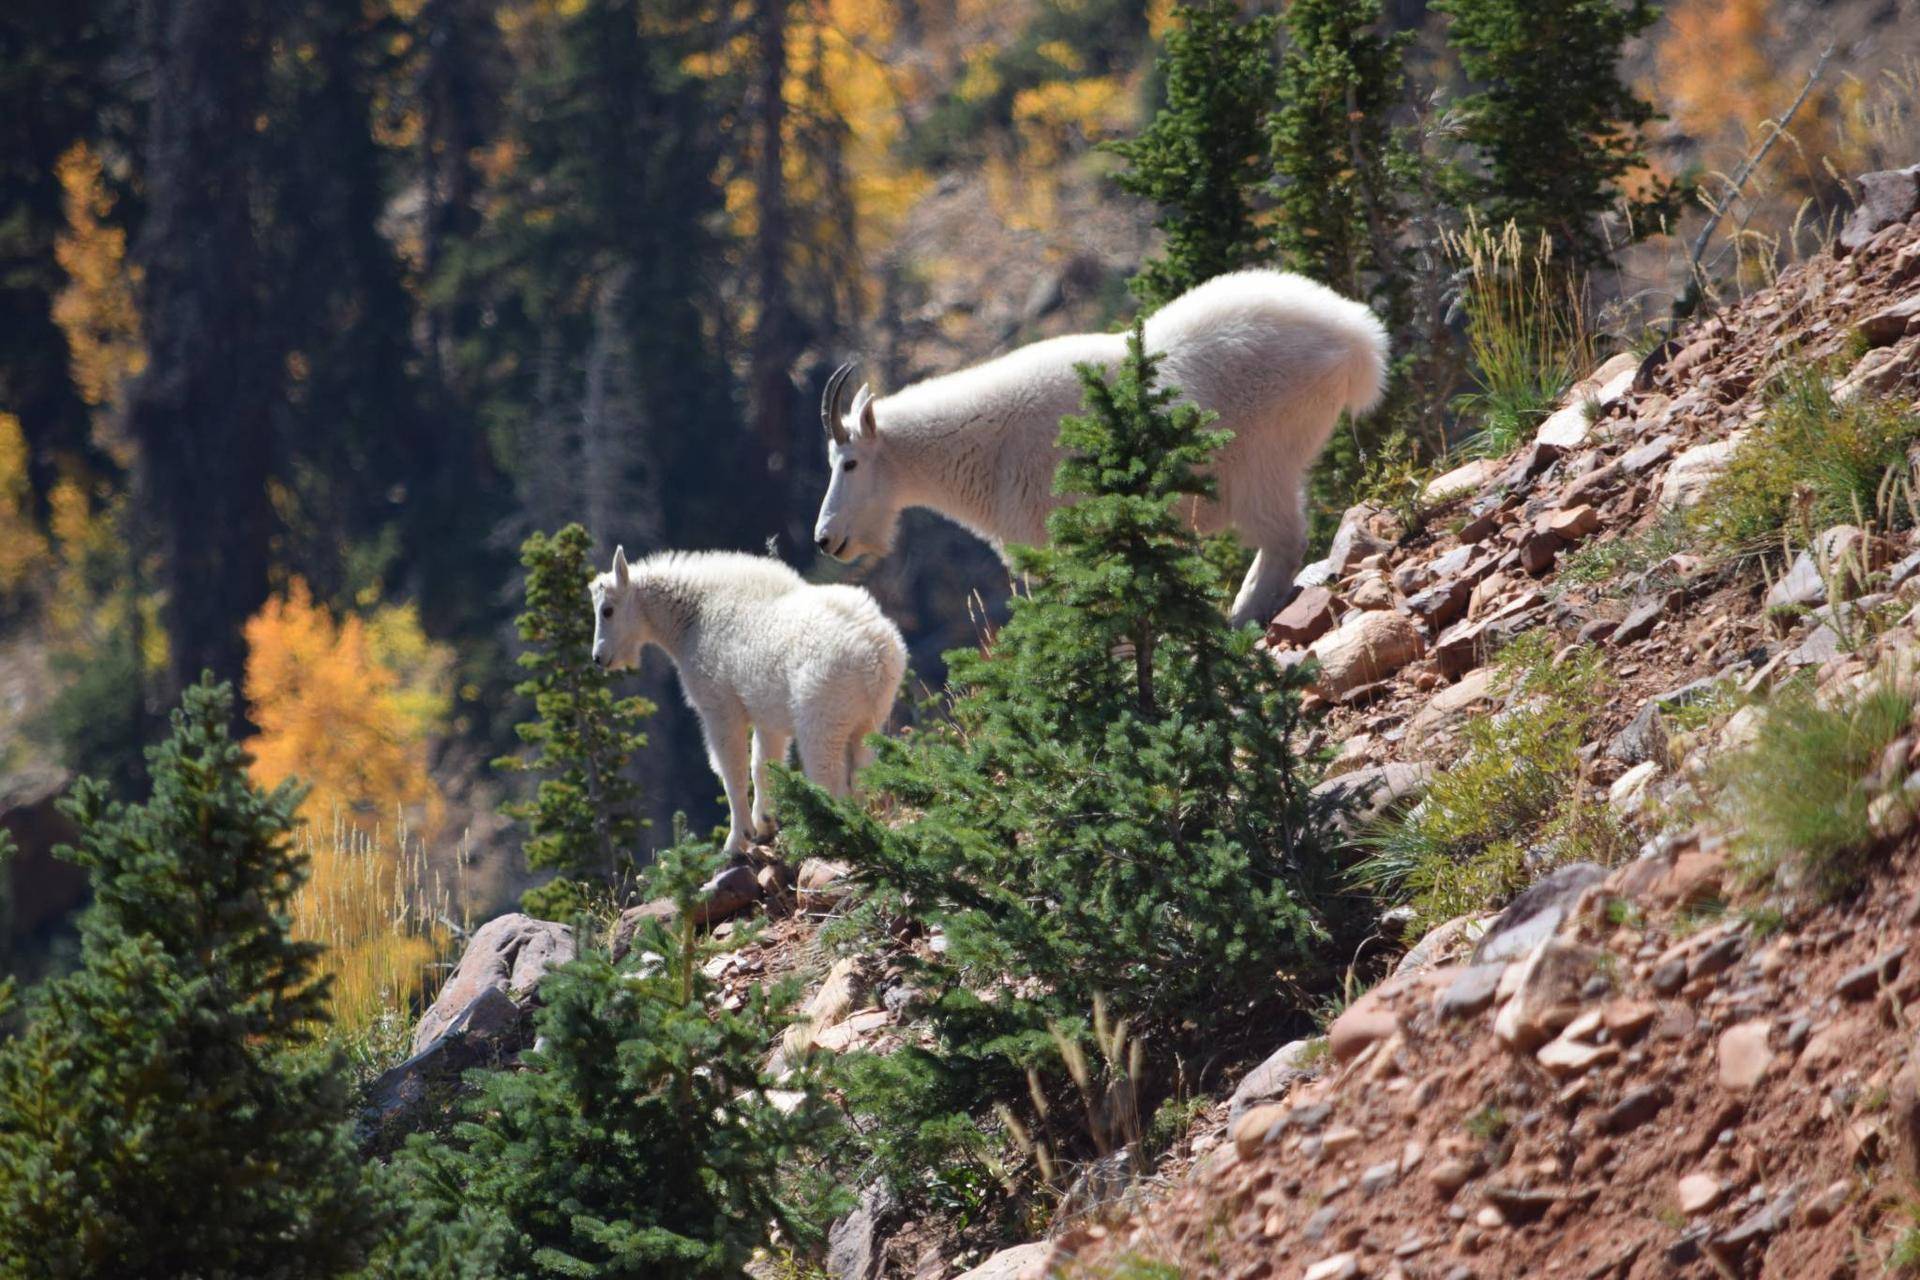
(1887, 197)
(491, 1029)
(1273, 1079)
(1537, 913)
(1353, 800)
(854, 1244)
(508, 955)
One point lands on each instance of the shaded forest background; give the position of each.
(311, 312)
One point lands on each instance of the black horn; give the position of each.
(831, 410)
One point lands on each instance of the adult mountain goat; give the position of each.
(1276, 356)
(760, 652)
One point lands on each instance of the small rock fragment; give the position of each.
(1865, 980)
(1744, 1056)
(1341, 1266)
(1635, 1109)
(1698, 1193)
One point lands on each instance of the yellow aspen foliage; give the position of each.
(842, 82)
(332, 713)
(870, 93)
(23, 550)
(1054, 122)
(1160, 18)
(96, 310)
(347, 705)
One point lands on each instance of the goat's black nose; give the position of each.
(821, 542)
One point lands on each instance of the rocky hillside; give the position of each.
(1664, 1065)
(1658, 1069)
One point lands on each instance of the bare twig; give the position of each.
(1753, 162)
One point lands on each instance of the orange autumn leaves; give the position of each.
(347, 705)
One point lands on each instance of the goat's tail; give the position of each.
(1366, 361)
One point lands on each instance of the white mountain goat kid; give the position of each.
(1275, 355)
(760, 652)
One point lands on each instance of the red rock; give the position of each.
(1638, 625)
(1468, 478)
(1699, 1192)
(1359, 1027)
(1547, 994)
(1593, 484)
(1249, 1132)
(1441, 604)
(1629, 1019)
(1573, 523)
(1476, 529)
(1352, 542)
(1305, 620)
(1538, 551)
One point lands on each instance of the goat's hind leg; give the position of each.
(859, 756)
(825, 755)
(1262, 592)
(727, 731)
(1280, 535)
(767, 748)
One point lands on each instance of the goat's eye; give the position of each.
(606, 611)
(850, 464)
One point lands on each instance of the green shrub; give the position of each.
(583, 819)
(1903, 1259)
(1115, 810)
(1807, 465)
(639, 1139)
(1395, 480)
(164, 1111)
(1463, 847)
(1794, 797)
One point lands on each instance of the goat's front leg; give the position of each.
(726, 731)
(767, 747)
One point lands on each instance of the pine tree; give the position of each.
(164, 1111)
(1117, 809)
(1334, 146)
(584, 816)
(1555, 128)
(641, 1140)
(1203, 158)
(1344, 176)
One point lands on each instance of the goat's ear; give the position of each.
(863, 411)
(620, 566)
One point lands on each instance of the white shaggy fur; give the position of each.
(1275, 355)
(759, 651)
